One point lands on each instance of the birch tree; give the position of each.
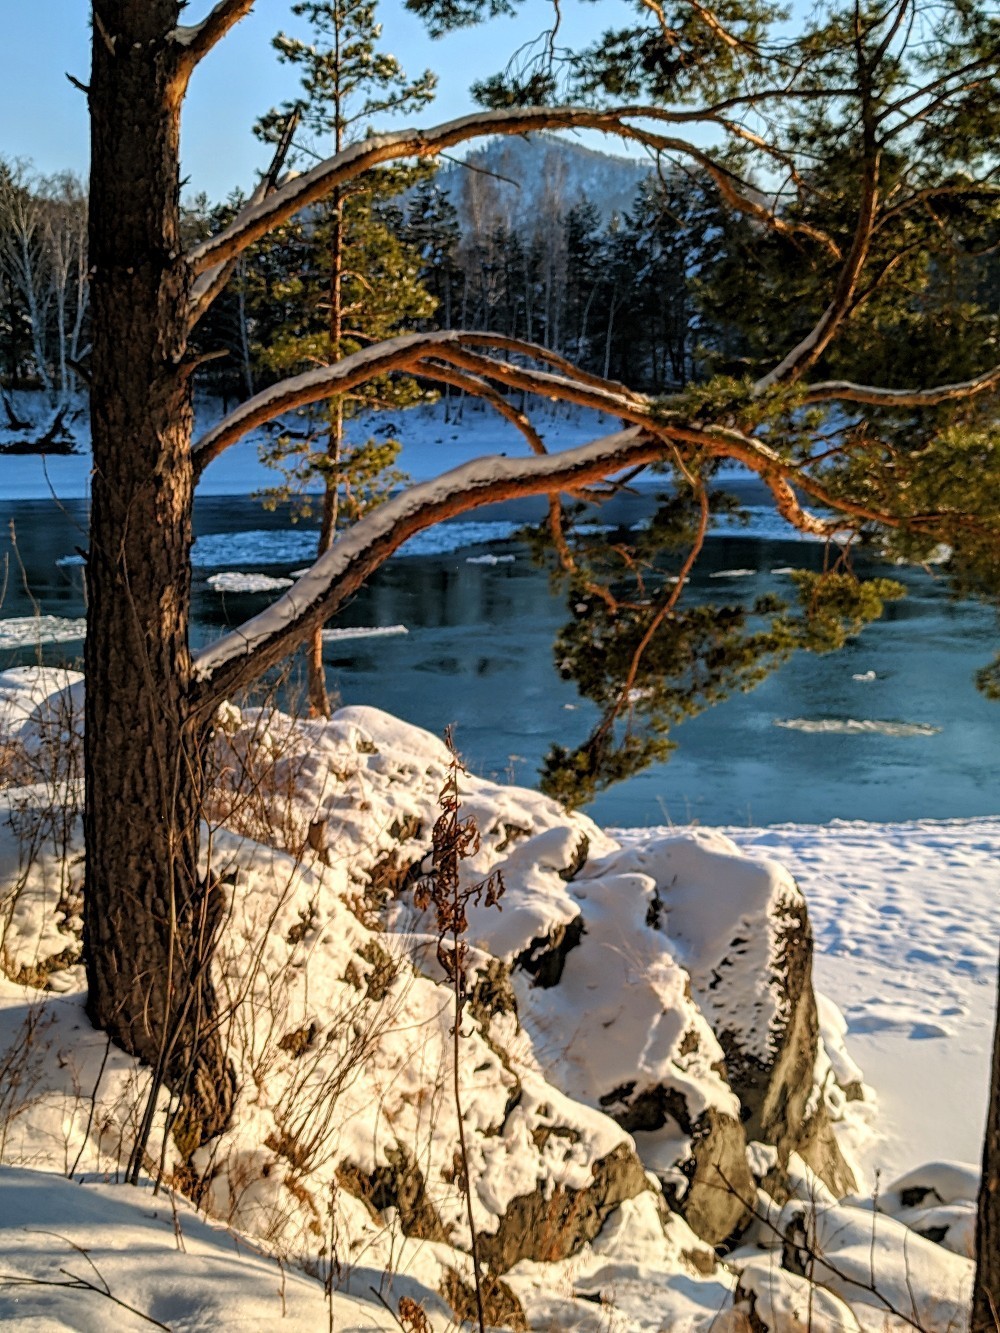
(26, 260)
(151, 914)
(43, 253)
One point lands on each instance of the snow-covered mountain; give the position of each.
(540, 175)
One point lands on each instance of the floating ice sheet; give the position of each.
(26, 631)
(237, 581)
(362, 632)
(851, 726)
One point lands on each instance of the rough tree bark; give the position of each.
(149, 918)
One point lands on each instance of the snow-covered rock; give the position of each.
(937, 1201)
(893, 1278)
(638, 1009)
(739, 926)
(777, 1301)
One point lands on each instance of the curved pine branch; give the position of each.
(261, 217)
(243, 653)
(194, 41)
(846, 391)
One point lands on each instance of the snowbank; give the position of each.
(642, 1067)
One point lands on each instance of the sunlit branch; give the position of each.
(195, 41)
(728, 183)
(478, 388)
(312, 386)
(260, 218)
(779, 476)
(962, 191)
(472, 384)
(534, 351)
(436, 353)
(847, 392)
(945, 87)
(210, 284)
(393, 354)
(336, 576)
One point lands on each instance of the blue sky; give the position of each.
(44, 118)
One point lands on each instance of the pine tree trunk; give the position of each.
(319, 699)
(150, 921)
(986, 1292)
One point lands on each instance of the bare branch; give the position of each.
(195, 41)
(961, 190)
(396, 354)
(734, 191)
(210, 284)
(363, 156)
(265, 639)
(847, 392)
(478, 388)
(807, 352)
(666, 608)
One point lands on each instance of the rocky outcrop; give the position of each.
(551, 1225)
(718, 1189)
(741, 929)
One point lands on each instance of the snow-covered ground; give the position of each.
(430, 445)
(603, 990)
(906, 919)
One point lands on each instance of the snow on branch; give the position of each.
(259, 218)
(402, 353)
(423, 353)
(212, 282)
(314, 386)
(195, 41)
(263, 640)
(847, 392)
(779, 475)
(654, 433)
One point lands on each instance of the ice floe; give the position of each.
(237, 581)
(852, 726)
(26, 631)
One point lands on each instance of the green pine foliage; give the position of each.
(381, 294)
(700, 653)
(342, 276)
(687, 298)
